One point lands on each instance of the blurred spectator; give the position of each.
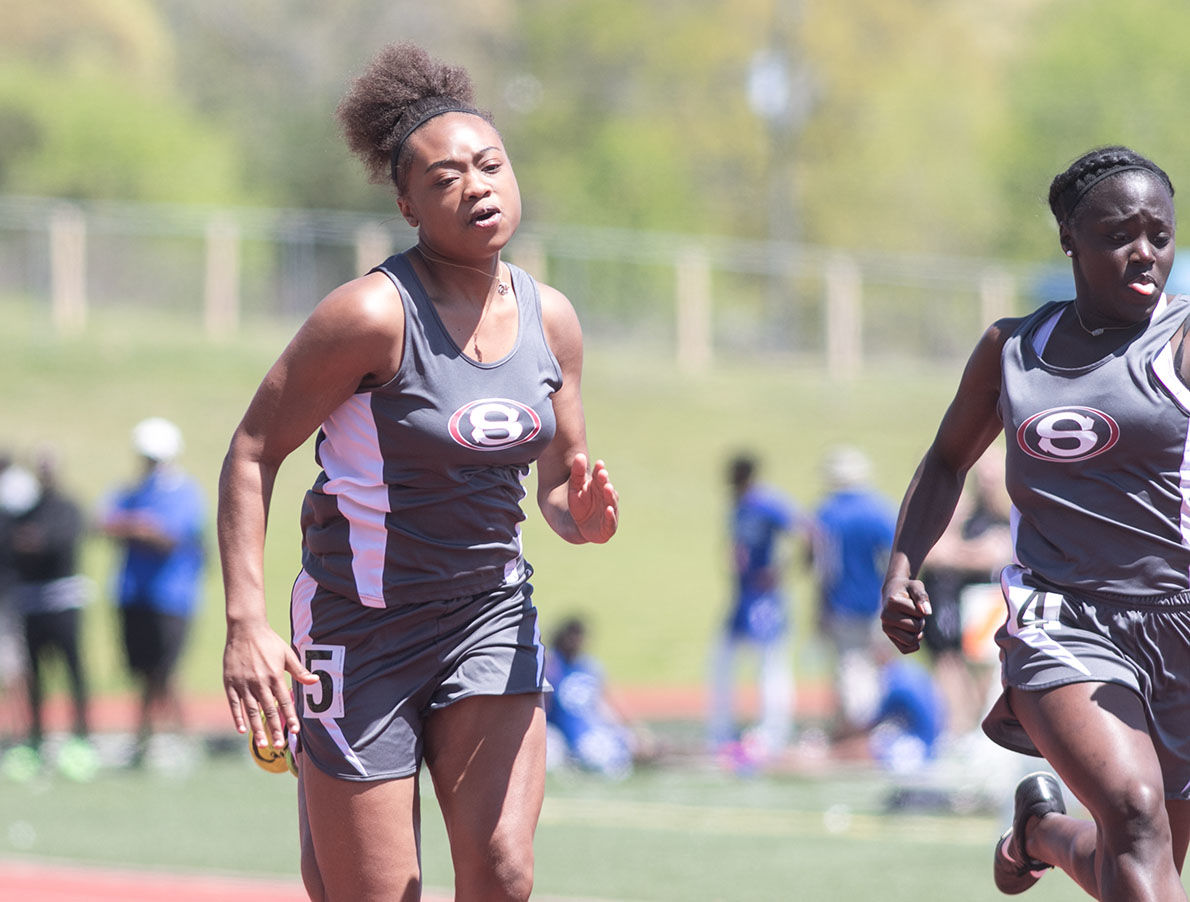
(961, 575)
(47, 529)
(910, 719)
(903, 732)
(758, 619)
(586, 728)
(12, 648)
(853, 533)
(158, 522)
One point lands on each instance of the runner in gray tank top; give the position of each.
(433, 383)
(1091, 397)
(447, 442)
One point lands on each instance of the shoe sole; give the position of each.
(1011, 877)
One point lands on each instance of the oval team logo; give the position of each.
(1067, 434)
(493, 424)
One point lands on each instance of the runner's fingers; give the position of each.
(906, 636)
(237, 710)
(288, 711)
(273, 724)
(280, 713)
(257, 705)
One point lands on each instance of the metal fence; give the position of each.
(696, 297)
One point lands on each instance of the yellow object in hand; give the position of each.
(274, 760)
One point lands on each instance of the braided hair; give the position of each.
(1068, 188)
(400, 90)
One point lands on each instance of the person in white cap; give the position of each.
(158, 522)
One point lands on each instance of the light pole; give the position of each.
(781, 91)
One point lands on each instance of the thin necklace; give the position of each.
(1095, 333)
(502, 287)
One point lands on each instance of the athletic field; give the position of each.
(202, 822)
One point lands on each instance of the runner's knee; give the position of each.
(504, 870)
(1134, 819)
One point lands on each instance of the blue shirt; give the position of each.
(854, 535)
(578, 710)
(759, 518)
(168, 581)
(911, 702)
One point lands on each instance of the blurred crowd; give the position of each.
(155, 522)
(869, 703)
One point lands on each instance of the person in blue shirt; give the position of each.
(585, 727)
(158, 523)
(910, 718)
(853, 535)
(758, 619)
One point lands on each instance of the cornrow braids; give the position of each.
(401, 89)
(1068, 188)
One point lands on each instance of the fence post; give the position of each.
(68, 268)
(372, 247)
(694, 311)
(997, 295)
(221, 295)
(529, 255)
(844, 317)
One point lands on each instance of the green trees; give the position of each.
(1091, 73)
(917, 126)
(89, 108)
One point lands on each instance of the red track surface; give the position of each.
(23, 881)
(210, 714)
(46, 882)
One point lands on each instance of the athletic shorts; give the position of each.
(1052, 638)
(152, 640)
(383, 671)
(57, 630)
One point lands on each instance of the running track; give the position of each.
(210, 714)
(44, 881)
(29, 881)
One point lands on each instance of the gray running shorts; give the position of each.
(383, 671)
(1053, 638)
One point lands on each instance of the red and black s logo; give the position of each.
(1067, 434)
(494, 424)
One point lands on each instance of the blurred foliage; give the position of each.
(923, 125)
(1093, 77)
(898, 150)
(644, 123)
(89, 108)
(113, 36)
(90, 135)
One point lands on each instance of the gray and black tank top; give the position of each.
(1097, 460)
(420, 492)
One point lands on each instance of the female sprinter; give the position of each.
(433, 382)
(1091, 395)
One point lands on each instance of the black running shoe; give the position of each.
(1014, 870)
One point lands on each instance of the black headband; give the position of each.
(449, 106)
(1073, 195)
